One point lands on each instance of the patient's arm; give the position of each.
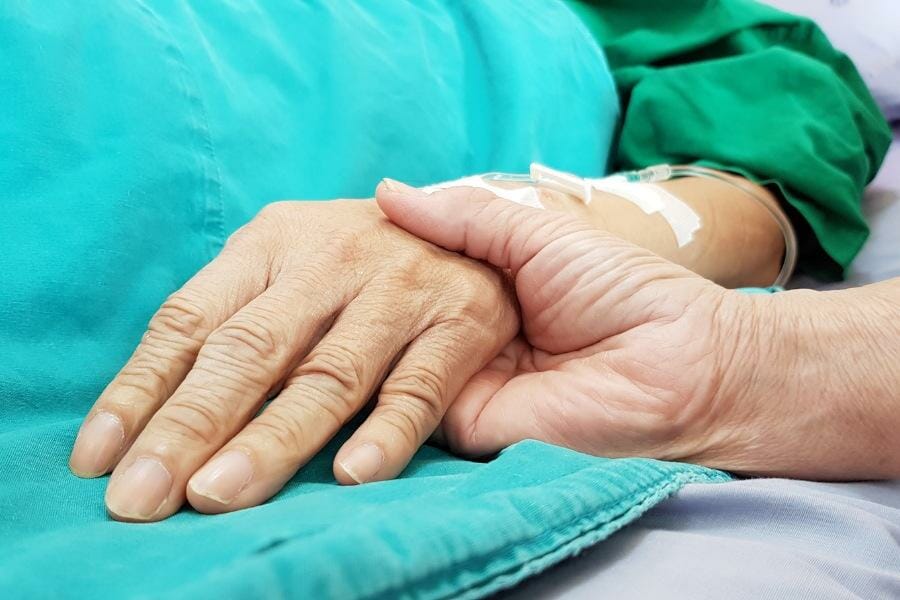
(739, 243)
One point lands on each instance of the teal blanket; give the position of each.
(135, 136)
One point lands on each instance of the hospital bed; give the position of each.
(748, 538)
(760, 538)
(775, 538)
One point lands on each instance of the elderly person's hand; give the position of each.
(326, 302)
(625, 354)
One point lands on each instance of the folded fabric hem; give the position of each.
(498, 568)
(587, 531)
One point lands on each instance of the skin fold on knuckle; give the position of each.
(336, 369)
(419, 391)
(200, 419)
(181, 317)
(322, 405)
(284, 433)
(405, 422)
(137, 383)
(242, 352)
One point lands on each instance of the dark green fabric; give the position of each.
(740, 86)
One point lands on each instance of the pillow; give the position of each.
(868, 32)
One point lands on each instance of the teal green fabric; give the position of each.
(136, 136)
(740, 86)
(447, 528)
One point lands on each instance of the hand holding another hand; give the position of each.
(622, 353)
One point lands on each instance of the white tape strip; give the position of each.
(654, 199)
(526, 196)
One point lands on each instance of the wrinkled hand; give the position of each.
(622, 352)
(322, 303)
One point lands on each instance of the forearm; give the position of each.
(739, 243)
(819, 392)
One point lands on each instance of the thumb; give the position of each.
(478, 223)
(576, 285)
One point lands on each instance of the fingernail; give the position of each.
(140, 491)
(395, 186)
(97, 445)
(363, 462)
(224, 477)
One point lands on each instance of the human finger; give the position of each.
(166, 353)
(412, 401)
(329, 386)
(238, 365)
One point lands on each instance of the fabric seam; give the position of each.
(214, 205)
(595, 523)
(592, 534)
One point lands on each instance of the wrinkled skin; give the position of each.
(621, 354)
(322, 301)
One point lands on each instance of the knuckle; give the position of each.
(249, 248)
(199, 419)
(180, 316)
(350, 245)
(409, 419)
(479, 197)
(240, 349)
(319, 408)
(472, 294)
(317, 274)
(283, 430)
(244, 234)
(313, 403)
(419, 391)
(483, 301)
(335, 369)
(143, 377)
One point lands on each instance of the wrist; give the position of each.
(811, 390)
(723, 436)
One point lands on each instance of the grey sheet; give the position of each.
(764, 538)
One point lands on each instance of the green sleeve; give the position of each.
(743, 87)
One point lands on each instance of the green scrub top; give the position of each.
(743, 87)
